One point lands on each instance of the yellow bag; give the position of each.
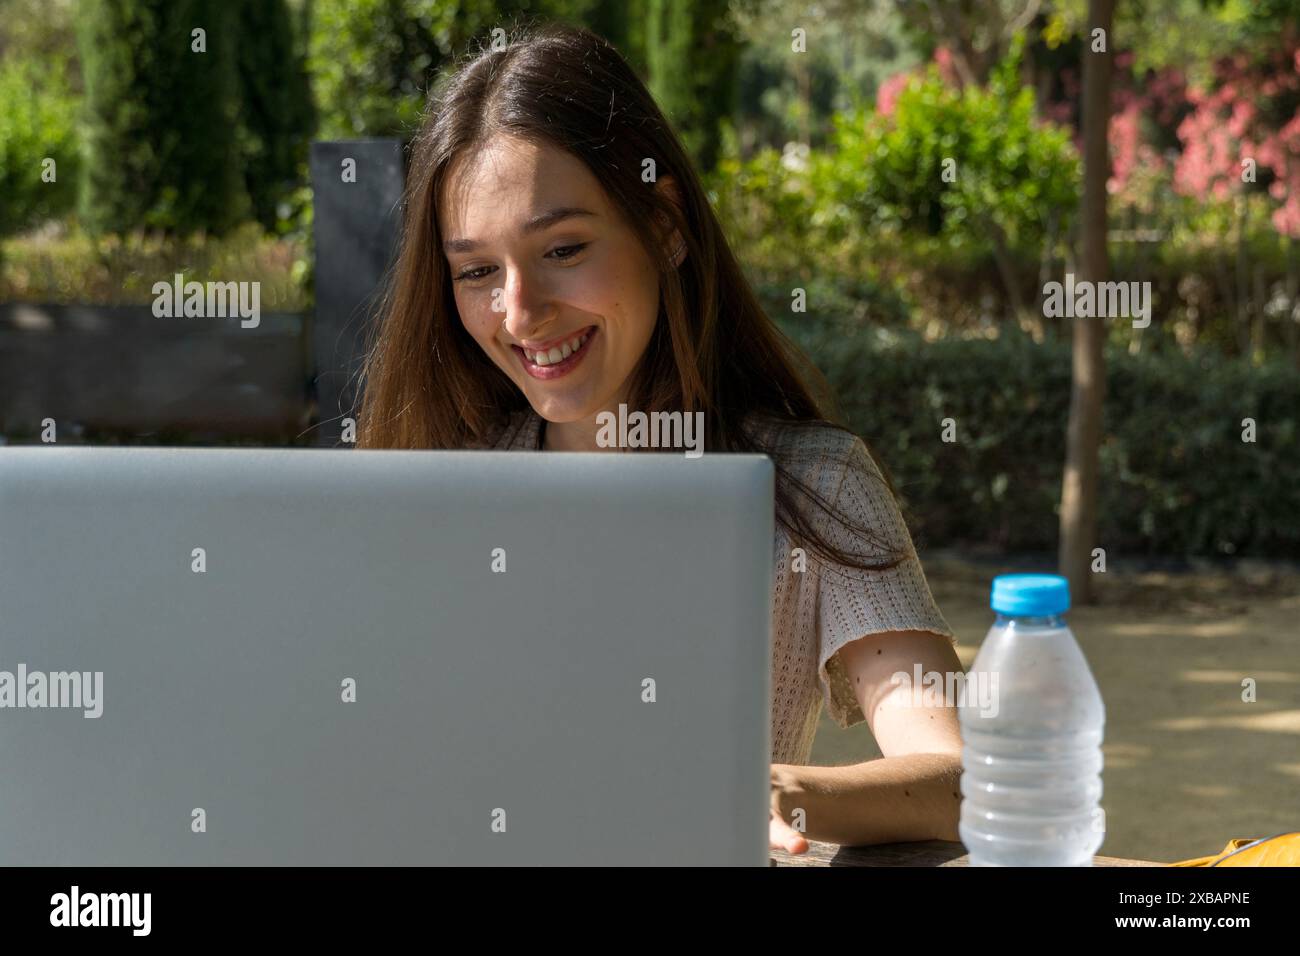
(1280, 850)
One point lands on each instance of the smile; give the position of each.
(560, 359)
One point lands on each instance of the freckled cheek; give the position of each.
(601, 293)
(580, 290)
(478, 318)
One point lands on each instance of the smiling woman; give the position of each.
(560, 260)
(542, 261)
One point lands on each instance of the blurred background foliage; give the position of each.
(826, 163)
(1176, 478)
(823, 133)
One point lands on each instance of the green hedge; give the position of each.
(1177, 479)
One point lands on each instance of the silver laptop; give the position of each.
(310, 657)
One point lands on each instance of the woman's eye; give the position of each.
(568, 252)
(561, 253)
(481, 272)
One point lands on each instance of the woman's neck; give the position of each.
(570, 436)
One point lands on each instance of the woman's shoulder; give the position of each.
(808, 446)
(836, 466)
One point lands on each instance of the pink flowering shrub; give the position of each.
(1251, 113)
(1164, 132)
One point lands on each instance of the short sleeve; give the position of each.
(853, 602)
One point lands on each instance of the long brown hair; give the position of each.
(427, 384)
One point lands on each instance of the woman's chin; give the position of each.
(562, 412)
(562, 406)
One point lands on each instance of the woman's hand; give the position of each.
(787, 790)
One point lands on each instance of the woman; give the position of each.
(559, 258)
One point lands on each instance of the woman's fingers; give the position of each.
(782, 836)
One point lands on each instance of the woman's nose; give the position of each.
(527, 303)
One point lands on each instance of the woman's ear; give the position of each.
(667, 185)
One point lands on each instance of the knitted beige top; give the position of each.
(817, 611)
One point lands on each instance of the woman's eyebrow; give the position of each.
(535, 224)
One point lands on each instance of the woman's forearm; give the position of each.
(889, 800)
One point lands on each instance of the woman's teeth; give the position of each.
(558, 353)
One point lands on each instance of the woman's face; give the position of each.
(548, 279)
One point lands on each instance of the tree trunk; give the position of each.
(1078, 527)
(1005, 262)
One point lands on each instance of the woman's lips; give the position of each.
(561, 368)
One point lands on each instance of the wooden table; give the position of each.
(931, 853)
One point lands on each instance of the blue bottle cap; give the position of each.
(1030, 595)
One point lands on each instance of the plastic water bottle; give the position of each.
(1031, 785)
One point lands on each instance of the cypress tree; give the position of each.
(276, 115)
(161, 112)
(692, 55)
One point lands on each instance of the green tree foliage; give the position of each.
(1012, 181)
(622, 23)
(186, 132)
(373, 61)
(1008, 171)
(276, 113)
(977, 33)
(161, 118)
(42, 30)
(37, 123)
(1189, 34)
(784, 95)
(692, 53)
